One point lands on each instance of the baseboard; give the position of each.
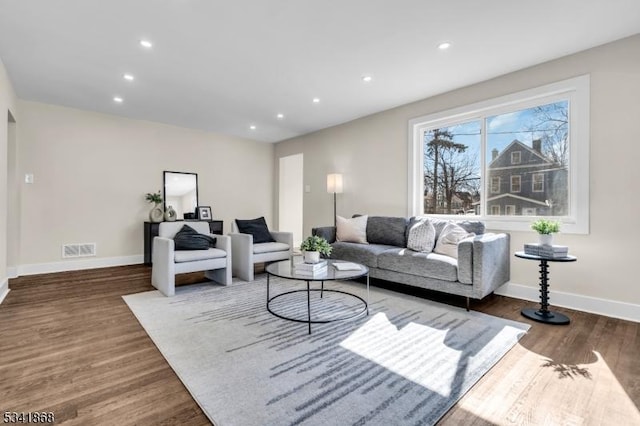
(76, 265)
(609, 308)
(4, 289)
(12, 272)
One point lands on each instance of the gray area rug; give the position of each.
(406, 363)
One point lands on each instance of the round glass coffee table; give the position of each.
(285, 269)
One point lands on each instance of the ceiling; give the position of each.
(225, 65)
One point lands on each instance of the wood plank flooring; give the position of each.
(70, 345)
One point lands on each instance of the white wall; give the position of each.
(371, 152)
(92, 171)
(7, 104)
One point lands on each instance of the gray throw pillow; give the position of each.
(422, 237)
(188, 238)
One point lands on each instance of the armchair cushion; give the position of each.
(256, 227)
(269, 247)
(195, 255)
(188, 238)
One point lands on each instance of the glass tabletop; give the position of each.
(287, 269)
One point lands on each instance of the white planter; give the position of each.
(311, 256)
(546, 239)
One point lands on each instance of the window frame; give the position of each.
(494, 178)
(533, 182)
(575, 90)
(519, 179)
(519, 157)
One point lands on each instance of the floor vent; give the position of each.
(78, 250)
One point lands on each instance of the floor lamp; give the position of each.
(334, 184)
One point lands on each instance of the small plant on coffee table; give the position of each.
(316, 243)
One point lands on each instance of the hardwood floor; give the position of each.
(70, 345)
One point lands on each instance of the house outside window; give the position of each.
(536, 140)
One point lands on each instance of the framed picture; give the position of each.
(203, 212)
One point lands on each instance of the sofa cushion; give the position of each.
(256, 227)
(432, 265)
(351, 230)
(387, 230)
(422, 237)
(195, 255)
(365, 254)
(449, 238)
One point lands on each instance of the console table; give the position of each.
(544, 314)
(151, 231)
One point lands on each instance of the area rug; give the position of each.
(407, 362)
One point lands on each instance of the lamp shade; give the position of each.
(334, 183)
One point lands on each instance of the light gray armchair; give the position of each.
(167, 262)
(246, 254)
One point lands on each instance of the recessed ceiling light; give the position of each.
(367, 78)
(444, 45)
(118, 99)
(280, 116)
(128, 77)
(252, 127)
(146, 43)
(316, 100)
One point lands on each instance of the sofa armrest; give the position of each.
(491, 263)
(163, 269)
(327, 232)
(223, 242)
(283, 237)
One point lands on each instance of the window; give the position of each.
(537, 183)
(495, 185)
(516, 157)
(515, 183)
(536, 140)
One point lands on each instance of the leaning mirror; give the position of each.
(181, 192)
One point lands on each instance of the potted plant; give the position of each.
(313, 246)
(545, 229)
(156, 214)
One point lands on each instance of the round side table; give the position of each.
(544, 314)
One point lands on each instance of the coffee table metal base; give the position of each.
(365, 308)
(548, 317)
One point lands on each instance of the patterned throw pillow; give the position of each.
(449, 238)
(422, 237)
(352, 230)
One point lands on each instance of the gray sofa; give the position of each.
(482, 266)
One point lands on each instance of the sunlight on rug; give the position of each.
(408, 362)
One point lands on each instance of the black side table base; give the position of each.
(547, 317)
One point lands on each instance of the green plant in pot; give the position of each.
(545, 229)
(313, 246)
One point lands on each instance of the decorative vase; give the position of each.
(170, 214)
(311, 256)
(156, 214)
(546, 239)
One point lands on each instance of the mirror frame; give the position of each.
(164, 189)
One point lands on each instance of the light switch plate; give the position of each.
(307, 188)
(28, 178)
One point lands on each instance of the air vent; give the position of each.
(78, 250)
